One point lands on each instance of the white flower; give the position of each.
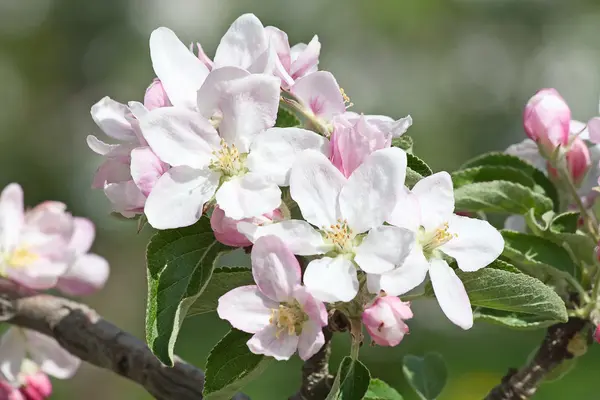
(348, 215)
(473, 243)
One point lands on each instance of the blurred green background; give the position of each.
(462, 68)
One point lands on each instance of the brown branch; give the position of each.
(522, 384)
(316, 379)
(85, 334)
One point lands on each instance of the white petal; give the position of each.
(246, 308)
(179, 196)
(109, 115)
(11, 216)
(527, 150)
(126, 197)
(435, 194)
(331, 279)
(451, 294)
(315, 184)
(384, 248)
(87, 274)
(305, 58)
(249, 106)
(248, 196)
(180, 137)
(371, 192)
(269, 343)
(311, 340)
(477, 243)
(407, 212)
(274, 151)
(12, 353)
(242, 44)
(98, 146)
(320, 93)
(180, 72)
(146, 168)
(83, 236)
(403, 278)
(299, 236)
(275, 269)
(138, 109)
(50, 356)
(212, 89)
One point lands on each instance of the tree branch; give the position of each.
(85, 334)
(316, 379)
(522, 384)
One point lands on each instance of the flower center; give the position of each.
(20, 257)
(227, 160)
(216, 119)
(340, 235)
(347, 101)
(433, 239)
(288, 317)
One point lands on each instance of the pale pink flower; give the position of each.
(225, 228)
(547, 120)
(156, 96)
(24, 352)
(279, 311)
(384, 320)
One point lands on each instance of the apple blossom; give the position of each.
(156, 96)
(546, 120)
(279, 312)
(9, 392)
(578, 161)
(23, 351)
(37, 386)
(348, 215)
(427, 210)
(241, 165)
(384, 320)
(225, 228)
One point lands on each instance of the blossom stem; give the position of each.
(589, 217)
(295, 106)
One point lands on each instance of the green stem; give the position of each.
(411, 297)
(355, 348)
(314, 122)
(590, 218)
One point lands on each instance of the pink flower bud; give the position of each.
(37, 387)
(578, 160)
(155, 96)
(9, 392)
(547, 119)
(384, 320)
(597, 334)
(225, 228)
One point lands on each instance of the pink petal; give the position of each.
(50, 356)
(305, 58)
(246, 308)
(155, 96)
(86, 275)
(314, 308)
(39, 275)
(266, 342)
(275, 269)
(110, 116)
(311, 340)
(204, 58)
(125, 197)
(320, 93)
(11, 215)
(146, 169)
(83, 236)
(225, 229)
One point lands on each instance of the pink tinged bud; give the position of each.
(225, 228)
(9, 392)
(36, 387)
(547, 119)
(384, 320)
(597, 334)
(155, 96)
(578, 160)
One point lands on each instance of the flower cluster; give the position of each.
(42, 248)
(205, 142)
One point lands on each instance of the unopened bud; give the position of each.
(547, 119)
(597, 333)
(225, 228)
(37, 387)
(384, 320)
(578, 160)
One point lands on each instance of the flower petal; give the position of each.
(451, 294)
(246, 308)
(314, 308)
(243, 43)
(477, 243)
(87, 274)
(274, 151)
(249, 106)
(247, 196)
(180, 137)
(12, 353)
(305, 58)
(331, 279)
(212, 89)
(320, 93)
(311, 340)
(527, 150)
(435, 195)
(268, 342)
(126, 197)
(275, 269)
(407, 211)
(146, 169)
(384, 248)
(370, 194)
(315, 184)
(83, 235)
(39, 275)
(299, 236)
(109, 115)
(11, 215)
(402, 279)
(50, 356)
(179, 196)
(98, 146)
(180, 72)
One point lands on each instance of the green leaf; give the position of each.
(565, 223)
(351, 381)
(537, 256)
(379, 390)
(223, 280)
(427, 375)
(417, 170)
(506, 160)
(500, 196)
(487, 173)
(404, 142)
(285, 119)
(180, 264)
(512, 320)
(231, 365)
(507, 290)
(581, 246)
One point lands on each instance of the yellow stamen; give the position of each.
(288, 317)
(440, 236)
(340, 234)
(21, 257)
(346, 98)
(227, 159)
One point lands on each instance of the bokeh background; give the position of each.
(462, 68)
